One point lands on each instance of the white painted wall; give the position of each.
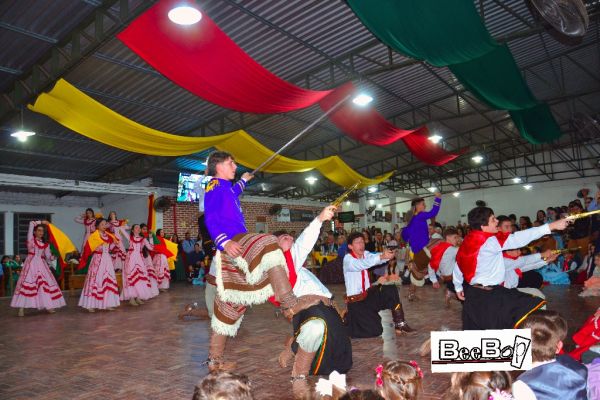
(63, 212)
(132, 208)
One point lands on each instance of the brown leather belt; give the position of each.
(355, 298)
(211, 279)
(446, 278)
(478, 286)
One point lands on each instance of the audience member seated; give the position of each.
(553, 376)
(223, 385)
(489, 385)
(195, 260)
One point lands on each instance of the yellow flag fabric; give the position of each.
(77, 111)
(62, 242)
(172, 247)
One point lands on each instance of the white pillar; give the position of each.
(9, 221)
(362, 209)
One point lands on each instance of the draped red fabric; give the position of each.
(204, 60)
(364, 124)
(368, 126)
(425, 150)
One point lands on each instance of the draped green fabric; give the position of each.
(536, 124)
(442, 32)
(495, 79)
(451, 33)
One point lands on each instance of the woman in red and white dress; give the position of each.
(100, 290)
(161, 265)
(136, 284)
(148, 261)
(88, 219)
(36, 287)
(118, 228)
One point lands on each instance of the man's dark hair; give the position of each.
(353, 236)
(450, 231)
(512, 217)
(502, 218)
(416, 201)
(214, 158)
(479, 216)
(280, 232)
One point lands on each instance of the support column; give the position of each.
(362, 209)
(9, 221)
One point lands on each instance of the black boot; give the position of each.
(400, 324)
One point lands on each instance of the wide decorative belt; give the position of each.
(211, 279)
(355, 298)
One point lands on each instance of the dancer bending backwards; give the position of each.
(321, 343)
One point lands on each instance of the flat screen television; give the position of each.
(187, 188)
(346, 217)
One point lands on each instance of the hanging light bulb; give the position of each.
(185, 15)
(21, 135)
(362, 99)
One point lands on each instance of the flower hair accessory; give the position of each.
(379, 371)
(414, 364)
(500, 395)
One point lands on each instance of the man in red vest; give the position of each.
(488, 304)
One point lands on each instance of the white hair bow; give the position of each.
(325, 386)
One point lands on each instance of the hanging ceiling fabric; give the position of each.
(77, 111)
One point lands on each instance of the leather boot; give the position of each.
(290, 304)
(215, 354)
(400, 324)
(300, 371)
(287, 354)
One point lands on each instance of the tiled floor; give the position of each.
(146, 353)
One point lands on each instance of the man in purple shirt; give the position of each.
(416, 233)
(250, 267)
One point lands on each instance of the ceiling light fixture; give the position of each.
(371, 201)
(516, 179)
(21, 135)
(311, 180)
(527, 187)
(435, 138)
(372, 189)
(477, 159)
(456, 194)
(362, 99)
(185, 15)
(432, 189)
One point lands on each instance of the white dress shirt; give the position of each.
(524, 263)
(446, 264)
(353, 271)
(490, 268)
(307, 282)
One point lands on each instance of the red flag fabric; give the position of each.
(428, 152)
(204, 60)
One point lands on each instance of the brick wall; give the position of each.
(187, 217)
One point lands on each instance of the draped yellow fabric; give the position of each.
(77, 111)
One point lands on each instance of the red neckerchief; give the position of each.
(466, 258)
(437, 252)
(92, 221)
(133, 239)
(289, 260)
(364, 274)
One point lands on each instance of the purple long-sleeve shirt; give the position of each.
(417, 231)
(223, 211)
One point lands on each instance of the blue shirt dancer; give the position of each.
(250, 267)
(417, 236)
